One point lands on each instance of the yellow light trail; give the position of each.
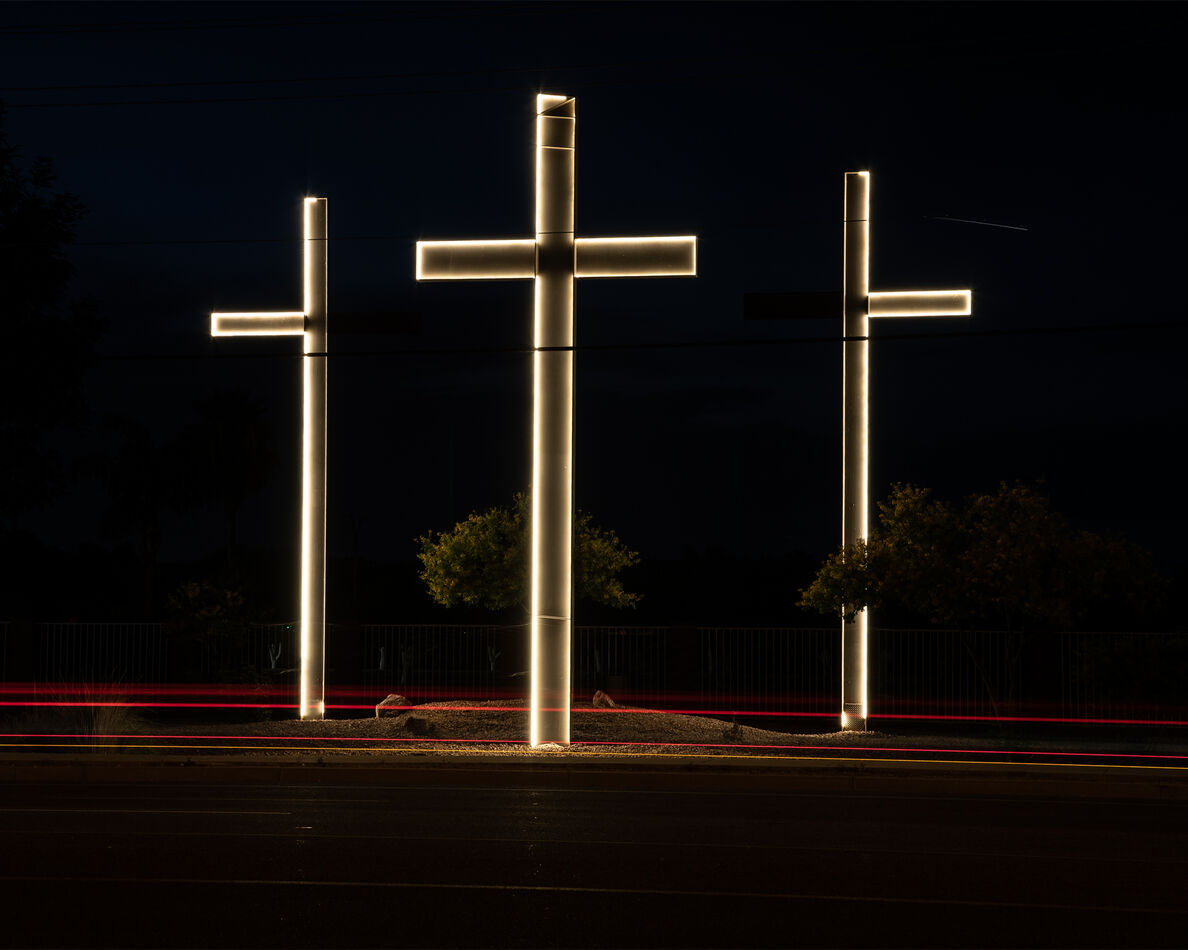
(586, 752)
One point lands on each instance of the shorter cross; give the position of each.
(310, 324)
(858, 304)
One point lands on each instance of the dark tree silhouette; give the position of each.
(141, 478)
(230, 451)
(49, 339)
(1004, 558)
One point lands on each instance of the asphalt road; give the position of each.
(615, 854)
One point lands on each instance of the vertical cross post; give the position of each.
(310, 324)
(859, 305)
(855, 412)
(552, 260)
(552, 423)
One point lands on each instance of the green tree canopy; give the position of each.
(483, 561)
(1005, 558)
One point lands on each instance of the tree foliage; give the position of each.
(1005, 558)
(483, 561)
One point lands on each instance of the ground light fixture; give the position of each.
(552, 260)
(859, 305)
(310, 324)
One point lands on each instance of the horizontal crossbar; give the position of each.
(921, 303)
(593, 257)
(636, 257)
(476, 260)
(286, 323)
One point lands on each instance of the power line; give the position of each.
(665, 345)
(372, 94)
(651, 64)
(272, 22)
(297, 239)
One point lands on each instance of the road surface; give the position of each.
(610, 854)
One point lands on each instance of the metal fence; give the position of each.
(630, 663)
(775, 669)
(921, 673)
(432, 659)
(1128, 676)
(945, 672)
(109, 653)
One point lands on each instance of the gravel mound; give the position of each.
(501, 726)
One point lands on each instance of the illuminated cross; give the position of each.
(310, 324)
(552, 260)
(857, 304)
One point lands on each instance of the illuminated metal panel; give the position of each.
(553, 258)
(476, 260)
(922, 303)
(310, 324)
(257, 324)
(636, 257)
(855, 427)
(859, 304)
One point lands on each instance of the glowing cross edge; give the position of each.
(552, 260)
(310, 324)
(859, 305)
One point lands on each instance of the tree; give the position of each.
(49, 339)
(1004, 558)
(483, 561)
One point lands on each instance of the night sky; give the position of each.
(193, 131)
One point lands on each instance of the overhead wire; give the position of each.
(375, 77)
(427, 13)
(658, 345)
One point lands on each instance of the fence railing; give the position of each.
(775, 669)
(782, 671)
(110, 653)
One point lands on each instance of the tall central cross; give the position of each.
(310, 324)
(859, 304)
(552, 260)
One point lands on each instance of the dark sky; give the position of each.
(192, 132)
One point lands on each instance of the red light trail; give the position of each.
(381, 741)
(182, 696)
